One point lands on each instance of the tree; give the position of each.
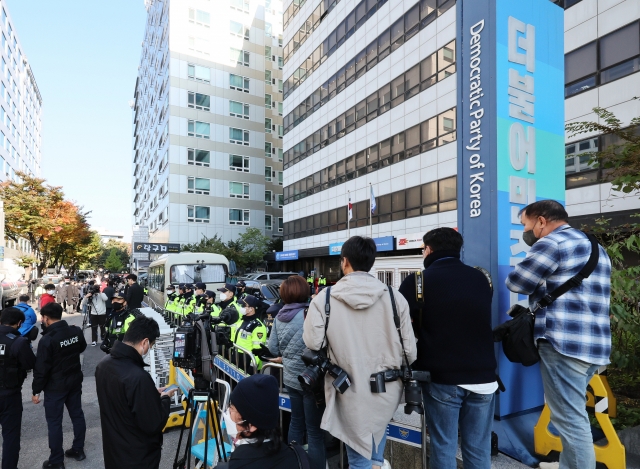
(123, 251)
(622, 160)
(254, 246)
(113, 262)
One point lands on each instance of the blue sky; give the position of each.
(84, 55)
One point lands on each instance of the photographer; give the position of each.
(455, 344)
(362, 339)
(98, 303)
(286, 342)
(133, 412)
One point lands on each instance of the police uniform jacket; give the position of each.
(17, 358)
(58, 366)
(132, 412)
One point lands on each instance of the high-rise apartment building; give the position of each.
(207, 120)
(371, 105)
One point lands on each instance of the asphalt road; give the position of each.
(34, 445)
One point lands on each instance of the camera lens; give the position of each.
(413, 397)
(309, 377)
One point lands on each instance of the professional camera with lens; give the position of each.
(318, 365)
(199, 335)
(411, 380)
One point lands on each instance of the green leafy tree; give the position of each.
(254, 245)
(113, 263)
(123, 251)
(213, 245)
(622, 160)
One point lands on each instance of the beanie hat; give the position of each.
(256, 399)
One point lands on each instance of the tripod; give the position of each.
(200, 399)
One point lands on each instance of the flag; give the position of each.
(373, 201)
(350, 209)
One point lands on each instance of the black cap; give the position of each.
(201, 286)
(181, 286)
(256, 399)
(228, 287)
(250, 300)
(188, 286)
(241, 284)
(118, 295)
(171, 287)
(210, 294)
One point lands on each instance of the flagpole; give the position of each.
(348, 216)
(370, 212)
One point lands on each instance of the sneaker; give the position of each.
(93, 344)
(386, 465)
(76, 454)
(549, 465)
(48, 465)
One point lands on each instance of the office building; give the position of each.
(207, 120)
(371, 105)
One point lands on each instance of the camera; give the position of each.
(201, 334)
(318, 365)
(412, 389)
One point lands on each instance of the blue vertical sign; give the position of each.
(510, 146)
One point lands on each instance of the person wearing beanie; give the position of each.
(255, 411)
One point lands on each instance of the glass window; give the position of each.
(397, 32)
(239, 163)
(237, 109)
(237, 82)
(267, 52)
(267, 222)
(267, 101)
(238, 217)
(580, 63)
(199, 214)
(239, 190)
(620, 45)
(198, 157)
(199, 101)
(198, 185)
(198, 129)
(238, 136)
(267, 77)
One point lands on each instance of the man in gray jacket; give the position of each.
(363, 340)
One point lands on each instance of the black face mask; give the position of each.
(117, 306)
(529, 237)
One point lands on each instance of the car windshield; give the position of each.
(251, 276)
(192, 273)
(267, 293)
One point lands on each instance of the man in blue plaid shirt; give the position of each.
(573, 333)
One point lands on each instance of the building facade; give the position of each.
(371, 107)
(207, 120)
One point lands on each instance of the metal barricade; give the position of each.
(285, 402)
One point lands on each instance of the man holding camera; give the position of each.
(58, 373)
(361, 337)
(98, 303)
(451, 307)
(133, 412)
(573, 333)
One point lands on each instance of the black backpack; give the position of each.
(516, 334)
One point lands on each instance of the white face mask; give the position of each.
(223, 297)
(243, 311)
(232, 430)
(146, 355)
(51, 292)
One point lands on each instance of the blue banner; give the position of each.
(286, 256)
(510, 146)
(335, 248)
(384, 244)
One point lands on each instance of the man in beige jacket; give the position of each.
(362, 339)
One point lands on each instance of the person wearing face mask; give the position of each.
(452, 322)
(211, 303)
(171, 297)
(119, 321)
(228, 297)
(17, 359)
(186, 306)
(255, 414)
(573, 333)
(58, 373)
(249, 332)
(199, 299)
(49, 296)
(133, 412)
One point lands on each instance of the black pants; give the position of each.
(54, 404)
(11, 421)
(97, 320)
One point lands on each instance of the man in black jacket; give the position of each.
(59, 374)
(132, 411)
(134, 294)
(452, 322)
(17, 358)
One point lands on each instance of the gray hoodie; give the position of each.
(362, 340)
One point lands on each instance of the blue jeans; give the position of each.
(358, 461)
(305, 415)
(565, 381)
(54, 404)
(448, 407)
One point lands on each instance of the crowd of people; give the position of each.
(373, 339)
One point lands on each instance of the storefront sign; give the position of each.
(287, 256)
(384, 244)
(335, 248)
(410, 241)
(157, 248)
(510, 146)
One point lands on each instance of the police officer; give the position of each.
(16, 358)
(58, 372)
(185, 304)
(228, 298)
(211, 303)
(322, 281)
(249, 332)
(199, 299)
(119, 321)
(169, 304)
(241, 288)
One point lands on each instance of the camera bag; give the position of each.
(516, 334)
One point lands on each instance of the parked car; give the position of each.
(267, 290)
(267, 276)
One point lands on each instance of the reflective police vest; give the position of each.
(169, 303)
(249, 333)
(11, 375)
(215, 310)
(322, 281)
(120, 322)
(310, 280)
